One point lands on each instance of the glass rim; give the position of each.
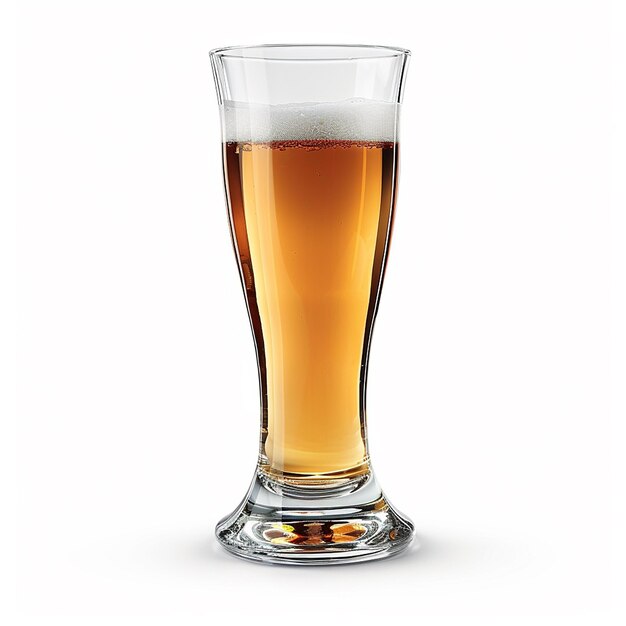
(247, 52)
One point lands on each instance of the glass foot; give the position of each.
(314, 525)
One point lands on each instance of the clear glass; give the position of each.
(310, 155)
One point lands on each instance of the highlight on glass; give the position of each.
(310, 161)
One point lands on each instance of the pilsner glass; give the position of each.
(310, 156)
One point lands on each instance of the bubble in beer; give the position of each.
(349, 120)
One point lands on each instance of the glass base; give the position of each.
(338, 522)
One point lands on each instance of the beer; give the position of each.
(309, 138)
(310, 218)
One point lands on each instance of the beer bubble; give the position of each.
(356, 119)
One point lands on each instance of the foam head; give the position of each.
(349, 120)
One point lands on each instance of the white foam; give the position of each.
(348, 120)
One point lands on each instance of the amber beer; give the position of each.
(311, 221)
(309, 137)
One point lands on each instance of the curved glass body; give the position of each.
(310, 152)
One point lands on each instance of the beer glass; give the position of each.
(310, 159)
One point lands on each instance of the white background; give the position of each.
(495, 395)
